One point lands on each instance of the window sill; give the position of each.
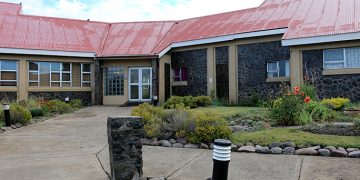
(279, 79)
(56, 89)
(179, 83)
(330, 72)
(8, 89)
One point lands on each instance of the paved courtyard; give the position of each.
(74, 146)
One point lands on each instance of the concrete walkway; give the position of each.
(74, 146)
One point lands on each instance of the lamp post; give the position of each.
(221, 158)
(6, 108)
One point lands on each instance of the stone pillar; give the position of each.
(124, 136)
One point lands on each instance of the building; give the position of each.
(235, 54)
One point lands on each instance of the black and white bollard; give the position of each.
(221, 158)
(67, 99)
(6, 108)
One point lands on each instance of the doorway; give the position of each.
(140, 84)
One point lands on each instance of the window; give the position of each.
(8, 73)
(342, 58)
(179, 74)
(278, 69)
(54, 74)
(114, 81)
(85, 75)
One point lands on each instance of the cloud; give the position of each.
(132, 10)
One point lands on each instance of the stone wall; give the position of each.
(252, 68)
(84, 96)
(124, 138)
(8, 96)
(328, 86)
(155, 83)
(195, 61)
(98, 82)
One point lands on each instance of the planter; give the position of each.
(351, 111)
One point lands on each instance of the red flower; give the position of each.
(307, 99)
(302, 94)
(296, 90)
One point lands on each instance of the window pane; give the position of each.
(66, 77)
(353, 57)
(66, 84)
(272, 67)
(333, 55)
(55, 76)
(114, 81)
(8, 65)
(183, 74)
(55, 84)
(33, 84)
(66, 66)
(33, 66)
(86, 68)
(55, 66)
(146, 92)
(284, 69)
(33, 76)
(45, 74)
(134, 92)
(8, 83)
(86, 84)
(134, 76)
(146, 76)
(8, 75)
(86, 77)
(334, 65)
(272, 75)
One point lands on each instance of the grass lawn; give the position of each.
(266, 137)
(226, 111)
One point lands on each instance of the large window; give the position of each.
(278, 69)
(54, 74)
(8, 73)
(114, 81)
(342, 58)
(85, 75)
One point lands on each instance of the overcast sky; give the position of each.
(132, 10)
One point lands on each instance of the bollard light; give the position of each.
(155, 100)
(221, 158)
(67, 99)
(6, 108)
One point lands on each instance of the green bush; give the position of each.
(356, 124)
(320, 112)
(203, 101)
(35, 112)
(57, 106)
(309, 90)
(151, 117)
(188, 101)
(30, 103)
(76, 103)
(336, 103)
(250, 101)
(207, 127)
(174, 121)
(19, 114)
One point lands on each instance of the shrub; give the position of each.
(57, 106)
(250, 101)
(76, 103)
(207, 127)
(30, 103)
(357, 124)
(19, 114)
(203, 101)
(188, 101)
(151, 117)
(35, 112)
(336, 103)
(174, 121)
(309, 90)
(320, 112)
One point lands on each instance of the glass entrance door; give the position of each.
(140, 84)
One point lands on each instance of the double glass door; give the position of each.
(140, 83)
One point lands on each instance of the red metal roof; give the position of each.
(303, 18)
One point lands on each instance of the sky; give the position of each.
(131, 10)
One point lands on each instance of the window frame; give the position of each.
(179, 76)
(335, 62)
(33, 71)
(16, 71)
(277, 69)
(61, 72)
(82, 72)
(109, 87)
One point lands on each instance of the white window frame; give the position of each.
(16, 71)
(334, 62)
(277, 68)
(85, 72)
(180, 75)
(33, 71)
(61, 72)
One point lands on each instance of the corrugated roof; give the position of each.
(303, 18)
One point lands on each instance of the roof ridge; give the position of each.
(102, 46)
(158, 43)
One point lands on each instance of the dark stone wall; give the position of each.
(252, 67)
(8, 96)
(84, 96)
(222, 72)
(124, 138)
(98, 82)
(195, 61)
(347, 86)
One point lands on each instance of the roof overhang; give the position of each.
(223, 39)
(321, 39)
(46, 52)
(127, 57)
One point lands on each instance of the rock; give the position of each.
(155, 143)
(234, 148)
(189, 145)
(306, 151)
(324, 152)
(352, 149)
(240, 145)
(354, 154)
(275, 144)
(154, 139)
(13, 126)
(289, 151)
(172, 141)
(316, 147)
(249, 144)
(340, 152)
(232, 123)
(178, 145)
(204, 146)
(342, 149)
(330, 148)
(181, 140)
(165, 135)
(262, 150)
(276, 150)
(212, 146)
(288, 144)
(246, 149)
(158, 178)
(145, 141)
(165, 143)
